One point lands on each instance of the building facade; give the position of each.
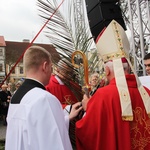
(11, 62)
(2, 58)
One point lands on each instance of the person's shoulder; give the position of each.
(106, 88)
(44, 94)
(2, 93)
(52, 100)
(51, 96)
(38, 97)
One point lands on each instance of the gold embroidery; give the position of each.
(121, 52)
(140, 129)
(68, 99)
(112, 56)
(127, 118)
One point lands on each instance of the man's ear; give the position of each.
(45, 66)
(107, 70)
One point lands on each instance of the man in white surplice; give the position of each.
(35, 118)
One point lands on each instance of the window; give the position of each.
(1, 67)
(21, 70)
(13, 71)
(1, 52)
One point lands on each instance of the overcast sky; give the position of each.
(19, 20)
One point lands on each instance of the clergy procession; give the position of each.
(83, 100)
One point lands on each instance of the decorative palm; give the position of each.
(68, 31)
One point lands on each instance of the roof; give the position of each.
(2, 41)
(14, 50)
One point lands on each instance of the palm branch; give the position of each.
(68, 31)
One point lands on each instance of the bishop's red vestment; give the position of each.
(102, 128)
(61, 91)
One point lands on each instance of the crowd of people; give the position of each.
(6, 93)
(5, 96)
(115, 116)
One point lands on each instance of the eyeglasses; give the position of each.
(147, 65)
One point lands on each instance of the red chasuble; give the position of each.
(61, 91)
(102, 128)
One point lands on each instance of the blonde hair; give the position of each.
(35, 56)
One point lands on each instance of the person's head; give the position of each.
(109, 70)
(118, 48)
(4, 87)
(63, 69)
(18, 84)
(94, 79)
(147, 63)
(37, 62)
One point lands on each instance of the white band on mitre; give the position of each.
(113, 45)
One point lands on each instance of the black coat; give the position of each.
(4, 104)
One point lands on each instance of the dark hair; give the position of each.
(147, 56)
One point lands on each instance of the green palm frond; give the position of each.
(68, 30)
(57, 31)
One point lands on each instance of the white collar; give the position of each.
(59, 80)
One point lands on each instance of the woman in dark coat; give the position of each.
(5, 96)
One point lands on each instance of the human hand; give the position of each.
(76, 108)
(85, 101)
(8, 99)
